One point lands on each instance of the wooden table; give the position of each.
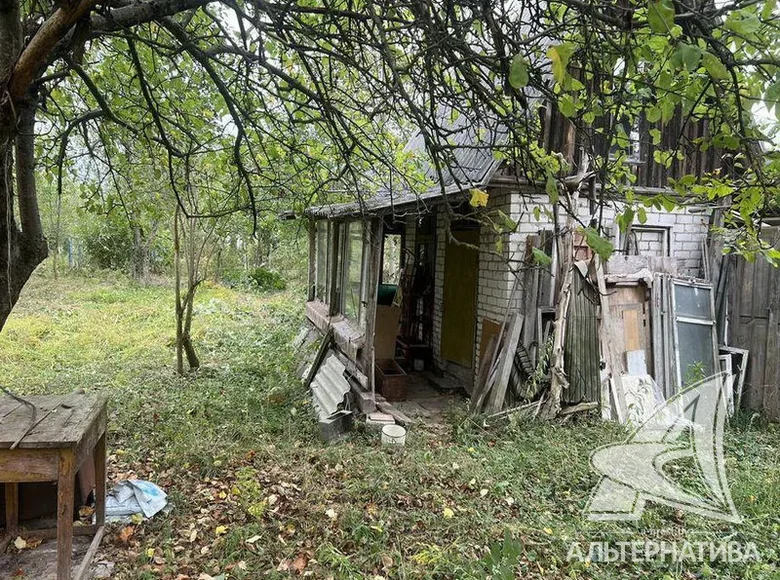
(65, 432)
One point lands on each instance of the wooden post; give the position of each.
(375, 234)
(334, 293)
(11, 508)
(312, 260)
(100, 481)
(65, 490)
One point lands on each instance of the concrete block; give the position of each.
(335, 427)
(365, 401)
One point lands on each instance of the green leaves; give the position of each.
(540, 257)
(660, 15)
(688, 55)
(518, 72)
(714, 66)
(559, 56)
(600, 245)
(625, 219)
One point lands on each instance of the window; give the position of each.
(694, 329)
(648, 241)
(352, 299)
(323, 260)
(391, 259)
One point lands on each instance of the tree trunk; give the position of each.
(184, 304)
(177, 289)
(23, 248)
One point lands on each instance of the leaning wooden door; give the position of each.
(461, 268)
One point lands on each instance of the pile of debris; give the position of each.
(340, 390)
(624, 337)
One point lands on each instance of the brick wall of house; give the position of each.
(685, 232)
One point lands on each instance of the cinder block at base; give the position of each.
(365, 402)
(335, 427)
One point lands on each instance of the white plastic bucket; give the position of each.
(393, 435)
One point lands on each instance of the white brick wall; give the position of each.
(686, 233)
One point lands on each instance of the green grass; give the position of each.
(235, 445)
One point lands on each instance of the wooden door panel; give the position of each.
(461, 269)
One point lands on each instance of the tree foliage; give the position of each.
(294, 100)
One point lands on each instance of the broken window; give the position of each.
(694, 331)
(353, 272)
(323, 260)
(647, 241)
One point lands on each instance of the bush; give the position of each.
(266, 280)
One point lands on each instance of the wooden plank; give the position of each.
(321, 352)
(498, 393)
(91, 435)
(656, 313)
(90, 555)
(485, 364)
(65, 491)
(27, 465)
(607, 345)
(100, 481)
(771, 386)
(67, 419)
(490, 330)
(631, 330)
(11, 507)
(530, 289)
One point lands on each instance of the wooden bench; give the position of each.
(51, 444)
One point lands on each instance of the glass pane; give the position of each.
(696, 352)
(692, 301)
(322, 260)
(354, 271)
(391, 259)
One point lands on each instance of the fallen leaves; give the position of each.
(126, 533)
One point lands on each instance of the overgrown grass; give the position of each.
(256, 494)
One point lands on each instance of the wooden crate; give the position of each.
(391, 380)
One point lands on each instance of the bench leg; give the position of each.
(65, 489)
(11, 508)
(100, 481)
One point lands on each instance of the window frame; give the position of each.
(326, 286)
(344, 273)
(678, 318)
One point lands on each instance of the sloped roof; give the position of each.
(470, 147)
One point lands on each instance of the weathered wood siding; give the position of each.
(754, 319)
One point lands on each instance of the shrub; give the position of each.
(266, 280)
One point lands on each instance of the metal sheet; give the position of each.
(329, 388)
(470, 147)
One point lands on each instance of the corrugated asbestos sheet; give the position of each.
(329, 388)
(581, 353)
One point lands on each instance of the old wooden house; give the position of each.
(425, 281)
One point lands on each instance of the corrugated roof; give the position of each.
(472, 162)
(329, 388)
